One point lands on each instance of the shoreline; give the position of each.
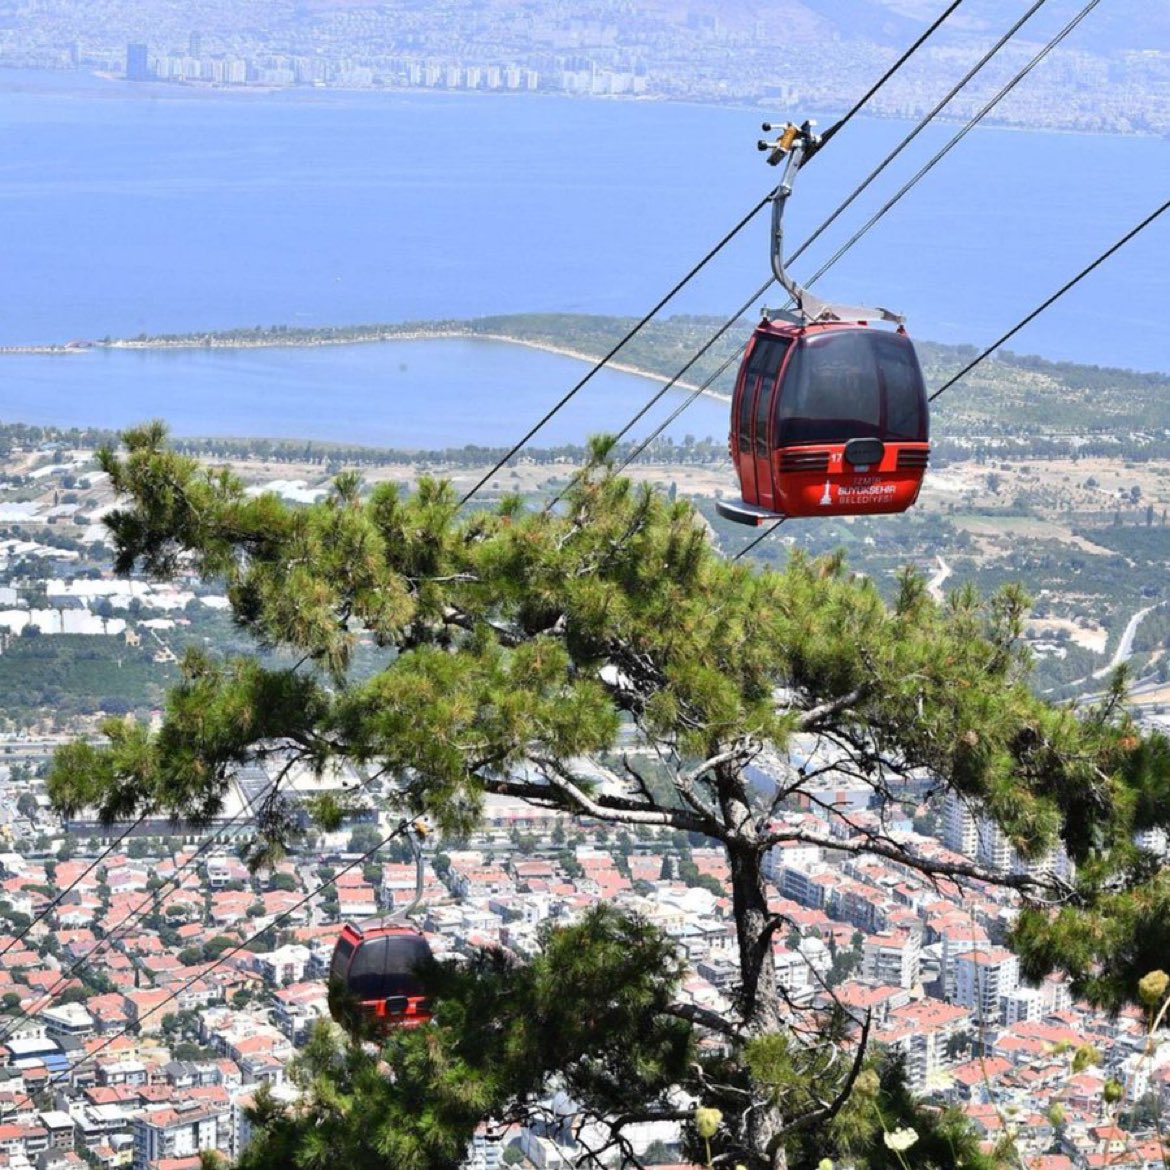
(198, 88)
(296, 341)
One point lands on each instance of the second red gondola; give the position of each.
(375, 969)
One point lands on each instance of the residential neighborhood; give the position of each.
(147, 1006)
(151, 981)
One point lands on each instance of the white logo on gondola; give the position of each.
(827, 498)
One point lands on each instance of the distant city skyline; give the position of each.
(1114, 74)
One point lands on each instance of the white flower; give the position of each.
(900, 1139)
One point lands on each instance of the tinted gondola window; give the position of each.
(366, 971)
(767, 367)
(905, 394)
(743, 433)
(404, 958)
(766, 358)
(831, 391)
(849, 384)
(341, 954)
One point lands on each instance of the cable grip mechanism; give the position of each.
(791, 136)
(794, 147)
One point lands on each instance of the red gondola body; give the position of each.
(828, 418)
(374, 967)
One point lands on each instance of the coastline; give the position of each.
(275, 340)
(822, 106)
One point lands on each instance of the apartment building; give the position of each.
(983, 977)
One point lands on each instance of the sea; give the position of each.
(131, 208)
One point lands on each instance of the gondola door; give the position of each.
(762, 376)
(765, 397)
(742, 442)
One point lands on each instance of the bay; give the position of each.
(411, 395)
(128, 209)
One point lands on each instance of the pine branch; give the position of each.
(704, 1017)
(563, 793)
(825, 711)
(1058, 889)
(828, 1110)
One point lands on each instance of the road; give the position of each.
(1125, 646)
(935, 584)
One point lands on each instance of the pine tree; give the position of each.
(518, 644)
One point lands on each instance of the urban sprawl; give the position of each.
(145, 1007)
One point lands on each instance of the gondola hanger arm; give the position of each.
(794, 146)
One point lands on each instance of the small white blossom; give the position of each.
(900, 1139)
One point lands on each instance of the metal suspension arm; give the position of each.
(416, 835)
(795, 146)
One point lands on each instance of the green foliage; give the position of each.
(363, 839)
(77, 674)
(587, 1009)
(188, 1050)
(518, 643)
(17, 920)
(95, 981)
(880, 1104)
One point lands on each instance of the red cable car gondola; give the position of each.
(375, 973)
(829, 415)
(375, 970)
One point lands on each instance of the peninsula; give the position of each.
(585, 338)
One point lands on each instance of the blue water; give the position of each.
(135, 208)
(409, 394)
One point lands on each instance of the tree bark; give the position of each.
(760, 1004)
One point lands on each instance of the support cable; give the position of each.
(966, 129)
(921, 125)
(1051, 300)
(743, 552)
(603, 361)
(841, 122)
(700, 389)
(47, 910)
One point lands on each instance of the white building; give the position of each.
(982, 978)
(960, 834)
(893, 958)
(1025, 1005)
(796, 855)
(179, 1132)
(994, 849)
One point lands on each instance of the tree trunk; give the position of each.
(760, 1003)
(749, 897)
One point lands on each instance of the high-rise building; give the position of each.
(137, 63)
(893, 957)
(982, 978)
(195, 46)
(994, 849)
(959, 828)
(1023, 1005)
